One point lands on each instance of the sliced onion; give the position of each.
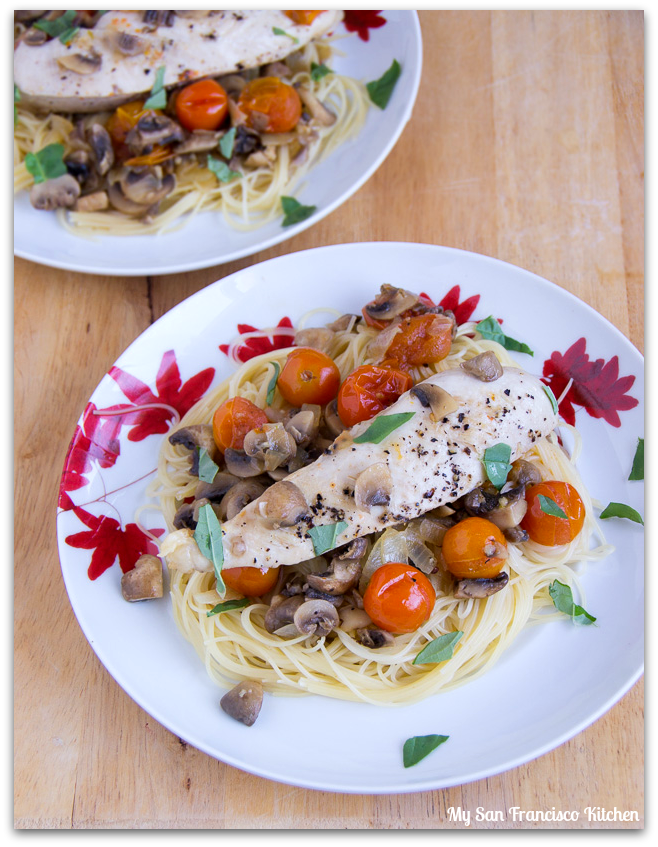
(382, 341)
(351, 619)
(390, 547)
(421, 556)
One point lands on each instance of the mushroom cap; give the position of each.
(61, 192)
(281, 611)
(481, 587)
(243, 702)
(316, 617)
(283, 504)
(373, 487)
(390, 302)
(485, 366)
(144, 581)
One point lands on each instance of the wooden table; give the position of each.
(526, 144)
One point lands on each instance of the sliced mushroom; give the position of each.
(374, 638)
(485, 367)
(311, 593)
(146, 186)
(265, 158)
(152, 129)
(343, 323)
(344, 571)
(480, 501)
(352, 619)
(390, 303)
(480, 588)
(243, 702)
(516, 535)
(271, 444)
(373, 488)
(316, 337)
(278, 69)
(120, 202)
(435, 398)
(315, 107)
(246, 140)
(241, 465)
(196, 436)
(510, 510)
(34, 37)
(144, 581)
(127, 43)
(158, 17)
(58, 193)
(233, 84)
(239, 496)
(316, 617)
(100, 142)
(216, 489)
(26, 15)
(281, 611)
(283, 504)
(184, 517)
(199, 141)
(81, 63)
(95, 202)
(303, 426)
(524, 473)
(332, 418)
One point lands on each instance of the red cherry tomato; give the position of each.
(368, 390)
(270, 105)
(472, 549)
(299, 17)
(308, 376)
(233, 420)
(252, 582)
(423, 339)
(399, 598)
(202, 105)
(551, 530)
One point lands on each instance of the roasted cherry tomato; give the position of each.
(551, 530)
(299, 17)
(368, 390)
(252, 582)
(399, 598)
(201, 105)
(233, 420)
(308, 376)
(270, 105)
(423, 339)
(474, 548)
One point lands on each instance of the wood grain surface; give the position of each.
(526, 144)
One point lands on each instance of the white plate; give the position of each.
(553, 682)
(208, 240)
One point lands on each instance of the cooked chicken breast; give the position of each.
(118, 59)
(431, 459)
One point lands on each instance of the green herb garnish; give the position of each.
(383, 426)
(550, 507)
(221, 170)
(61, 27)
(438, 650)
(380, 90)
(637, 471)
(207, 468)
(562, 597)
(324, 537)
(490, 329)
(415, 749)
(278, 31)
(551, 397)
(208, 536)
(47, 163)
(621, 510)
(319, 71)
(158, 98)
(272, 384)
(227, 606)
(497, 464)
(226, 143)
(294, 211)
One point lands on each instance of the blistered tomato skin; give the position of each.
(399, 598)
(472, 549)
(202, 105)
(270, 105)
(252, 582)
(308, 376)
(233, 420)
(422, 340)
(369, 390)
(550, 530)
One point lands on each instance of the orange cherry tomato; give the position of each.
(272, 101)
(233, 420)
(423, 339)
(551, 530)
(399, 598)
(202, 105)
(470, 549)
(369, 390)
(308, 376)
(252, 582)
(299, 17)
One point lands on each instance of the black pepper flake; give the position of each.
(507, 391)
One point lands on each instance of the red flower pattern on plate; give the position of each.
(256, 346)
(461, 310)
(363, 22)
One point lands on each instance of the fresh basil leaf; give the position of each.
(415, 749)
(621, 510)
(490, 329)
(382, 426)
(158, 98)
(562, 598)
(227, 606)
(47, 163)
(324, 537)
(226, 143)
(637, 471)
(497, 464)
(208, 536)
(221, 170)
(380, 90)
(439, 650)
(294, 211)
(319, 71)
(551, 397)
(61, 27)
(207, 468)
(272, 385)
(278, 31)
(550, 507)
